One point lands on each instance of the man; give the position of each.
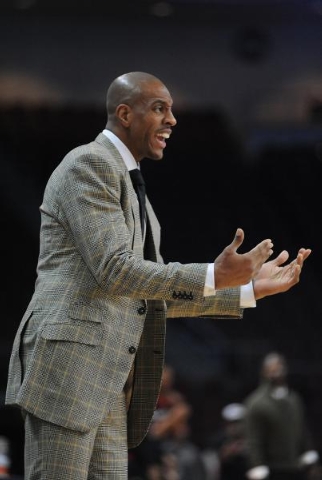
(88, 356)
(280, 447)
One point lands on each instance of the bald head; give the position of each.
(274, 368)
(126, 89)
(139, 113)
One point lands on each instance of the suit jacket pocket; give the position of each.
(83, 311)
(79, 332)
(64, 382)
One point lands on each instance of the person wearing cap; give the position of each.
(231, 448)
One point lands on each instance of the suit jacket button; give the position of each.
(141, 310)
(132, 349)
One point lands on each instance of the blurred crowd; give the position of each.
(264, 437)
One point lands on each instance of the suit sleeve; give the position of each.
(88, 204)
(226, 303)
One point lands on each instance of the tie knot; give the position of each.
(136, 177)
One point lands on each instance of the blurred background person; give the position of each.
(226, 455)
(232, 447)
(280, 445)
(167, 453)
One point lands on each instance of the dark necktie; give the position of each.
(139, 187)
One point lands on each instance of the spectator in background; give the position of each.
(11, 443)
(167, 452)
(232, 448)
(280, 446)
(226, 456)
(171, 418)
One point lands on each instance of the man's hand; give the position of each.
(233, 269)
(273, 278)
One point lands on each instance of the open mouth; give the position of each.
(161, 138)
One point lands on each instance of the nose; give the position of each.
(170, 118)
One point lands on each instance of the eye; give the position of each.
(158, 108)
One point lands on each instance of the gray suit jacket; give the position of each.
(97, 304)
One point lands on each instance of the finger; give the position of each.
(299, 259)
(302, 255)
(264, 247)
(238, 239)
(305, 252)
(295, 273)
(281, 258)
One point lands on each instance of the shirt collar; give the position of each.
(125, 153)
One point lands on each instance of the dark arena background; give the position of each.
(246, 79)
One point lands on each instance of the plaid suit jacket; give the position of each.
(97, 304)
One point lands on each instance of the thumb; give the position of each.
(238, 239)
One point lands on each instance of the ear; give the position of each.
(124, 114)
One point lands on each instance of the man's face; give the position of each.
(276, 372)
(151, 122)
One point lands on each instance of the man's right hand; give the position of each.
(233, 269)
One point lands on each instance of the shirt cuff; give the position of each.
(209, 289)
(247, 297)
